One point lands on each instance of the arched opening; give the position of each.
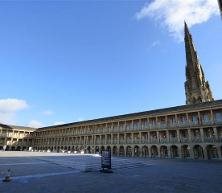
(154, 151)
(77, 149)
(108, 148)
(185, 151)
(212, 152)
(58, 149)
(121, 151)
(198, 152)
(174, 151)
(1, 147)
(97, 149)
(145, 152)
(163, 152)
(136, 151)
(18, 148)
(128, 151)
(115, 151)
(102, 148)
(12, 148)
(88, 149)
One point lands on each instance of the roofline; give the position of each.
(150, 112)
(17, 127)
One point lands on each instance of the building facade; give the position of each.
(191, 131)
(15, 137)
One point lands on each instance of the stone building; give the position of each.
(191, 131)
(15, 137)
(196, 87)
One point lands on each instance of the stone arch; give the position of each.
(154, 151)
(145, 151)
(128, 151)
(121, 151)
(198, 152)
(136, 151)
(185, 151)
(163, 151)
(115, 151)
(212, 152)
(18, 148)
(102, 148)
(108, 148)
(88, 149)
(77, 149)
(174, 151)
(97, 149)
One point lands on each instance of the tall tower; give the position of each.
(197, 89)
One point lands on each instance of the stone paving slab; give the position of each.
(58, 173)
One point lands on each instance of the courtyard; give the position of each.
(42, 172)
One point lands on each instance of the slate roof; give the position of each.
(144, 113)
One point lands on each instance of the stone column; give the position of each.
(190, 148)
(158, 136)
(219, 152)
(118, 142)
(111, 138)
(168, 152)
(158, 150)
(106, 139)
(202, 134)
(178, 135)
(190, 135)
(215, 133)
(167, 136)
(205, 153)
(179, 151)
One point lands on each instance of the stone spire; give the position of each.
(196, 87)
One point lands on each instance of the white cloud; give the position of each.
(9, 107)
(35, 124)
(59, 123)
(172, 13)
(47, 112)
(12, 105)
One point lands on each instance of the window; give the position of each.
(218, 116)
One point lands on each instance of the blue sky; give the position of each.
(69, 61)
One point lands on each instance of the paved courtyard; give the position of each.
(36, 172)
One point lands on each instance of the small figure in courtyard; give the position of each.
(8, 176)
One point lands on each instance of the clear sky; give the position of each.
(68, 61)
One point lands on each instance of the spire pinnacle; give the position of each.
(196, 87)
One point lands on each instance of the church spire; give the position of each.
(196, 87)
